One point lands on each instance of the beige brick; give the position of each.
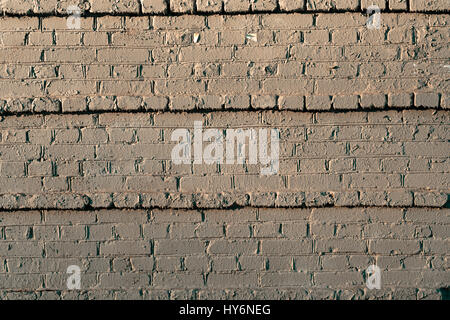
(85, 140)
(290, 5)
(182, 5)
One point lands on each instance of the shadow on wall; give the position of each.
(445, 293)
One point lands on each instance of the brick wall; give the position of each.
(388, 158)
(246, 253)
(215, 6)
(88, 176)
(299, 61)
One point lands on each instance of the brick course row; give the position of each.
(270, 253)
(214, 6)
(299, 62)
(347, 159)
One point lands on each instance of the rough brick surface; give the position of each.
(347, 159)
(214, 6)
(197, 255)
(90, 118)
(142, 63)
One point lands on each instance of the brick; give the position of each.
(110, 6)
(281, 247)
(71, 249)
(430, 100)
(142, 263)
(152, 6)
(180, 280)
(341, 245)
(17, 24)
(430, 199)
(234, 247)
(295, 230)
(394, 246)
(284, 21)
(236, 280)
(12, 169)
(121, 248)
(182, 5)
(196, 264)
(342, 279)
(318, 102)
(165, 247)
(168, 264)
(345, 102)
(100, 232)
(125, 280)
(420, 5)
(21, 282)
(291, 5)
(156, 230)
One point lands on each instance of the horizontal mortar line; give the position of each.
(337, 157)
(391, 288)
(133, 32)
(235, 191)
(330, 157)
(162, 63)
(437, 70)
(261, 126)
(206, 111)
(88, 208)
(196, 223)
(427, 60)
(270, 255)
(251, 222)
(136, 272)
(229, 191)
(191, 78)
(425, 74)
(50, 223)
(423, 68)
(140, 206)
(221, 127)
(170, 13)
(111, 125)
(149, 63)
(421, 62)
(280, 237)
(171, 174)
(173, 143)
(240, 192)
(234, 174)
(324, 174)
(223, 60)
(221, 208)
(180, 46)
(418, 74)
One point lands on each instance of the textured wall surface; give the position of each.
(390, 158)
(299, 61)
(215, 6)
(87, 169)
(248, 253)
